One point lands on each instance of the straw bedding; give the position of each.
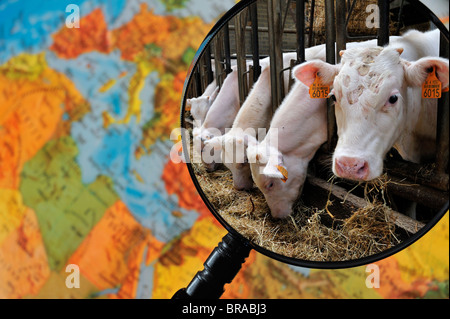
(310, 233)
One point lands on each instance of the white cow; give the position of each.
(379, 104)
(255, 113)
(220, 115)
(279, 163)
(199, 106)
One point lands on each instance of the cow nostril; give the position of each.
(363, 169)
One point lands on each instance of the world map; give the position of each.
(85, 175)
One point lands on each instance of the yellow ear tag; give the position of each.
(284, 172)
(318, 90)
(432, 87)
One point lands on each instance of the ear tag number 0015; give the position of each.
(318, 90)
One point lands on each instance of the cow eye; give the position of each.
(393, 99)
(269, 186)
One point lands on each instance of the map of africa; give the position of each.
(85, 176)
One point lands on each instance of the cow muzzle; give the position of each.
(352, 168)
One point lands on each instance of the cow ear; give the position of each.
(417, 72)
(277, 171)
(307, 72)
(275, 168)
(272, 171)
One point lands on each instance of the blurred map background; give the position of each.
(85, 177)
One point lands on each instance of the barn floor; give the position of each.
(311, 233)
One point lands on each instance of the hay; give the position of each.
(307, 234)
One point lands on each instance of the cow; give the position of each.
(279, 163)
(255, 113)
(220, 115)
(199, 106)
(378, 103)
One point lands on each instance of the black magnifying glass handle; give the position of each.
(220, 268)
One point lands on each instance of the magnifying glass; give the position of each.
(296, 129)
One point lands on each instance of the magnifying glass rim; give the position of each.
(290, 260)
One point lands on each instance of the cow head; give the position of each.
(280, 178)
(371, 104)
(199, 106)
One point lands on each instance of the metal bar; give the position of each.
(226, 46)
(383, 31)
(239, 23)
(209, 72)
(286, 13)
(349, 12)
(202, 69)
(400, 13)
(330, 32)
(300, 26)
(340, 28)
(218, 59)
(311, 22)
(442, 134)
(276, 58)
(255, 42)
(263, 29)
(360, 38)
(251, 73)
(198, 82)
(291, 80)
(191, 89)
(247, 56)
